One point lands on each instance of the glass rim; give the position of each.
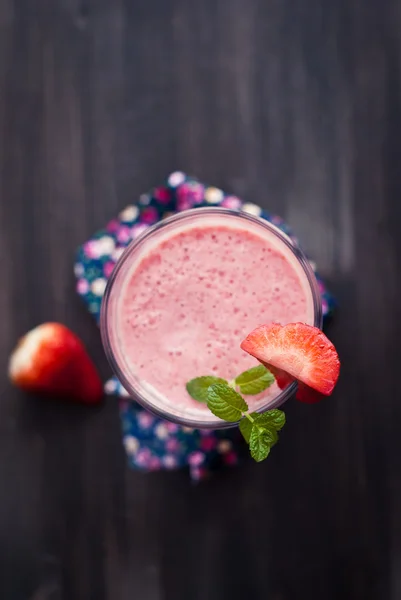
(118, 371)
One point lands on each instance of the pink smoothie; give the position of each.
(191, 297)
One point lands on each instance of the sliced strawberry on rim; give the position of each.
(304, 393)
(307, 394)
(283, 379)
(296, 351)
(52, 360)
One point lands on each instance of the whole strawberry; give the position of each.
(52, 360)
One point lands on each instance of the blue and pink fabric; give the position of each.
(150, 442)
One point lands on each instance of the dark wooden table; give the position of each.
(295, 104)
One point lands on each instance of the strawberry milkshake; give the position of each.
(184, 295)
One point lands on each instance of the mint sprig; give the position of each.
(254, 380)
(245, 427)
(197, 388)
(260, 443)
(260, 431)
(225, 403)
(273, 419)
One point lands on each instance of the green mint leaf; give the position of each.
(225, 403)
(197, 388)
(245, 427)
(260, 442)
(273, 434)
(272, 419)
(254, 380)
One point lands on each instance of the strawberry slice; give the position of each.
(307, 394)
(283, 379)
(296, 351)
(52, 360)
(304, 393)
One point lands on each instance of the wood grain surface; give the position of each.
(294, 104)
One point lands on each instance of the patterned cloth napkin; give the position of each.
(150, 442)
